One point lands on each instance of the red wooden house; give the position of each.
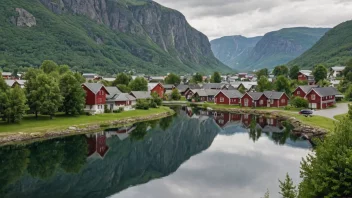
(6, 75)
(276, 99)
(97, 145)
(95, 97)
(306, 75)
(228, 97)
(156, 88)
(302, 91)
(265, 99)
(322, 97)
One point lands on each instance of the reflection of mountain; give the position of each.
(127, 163)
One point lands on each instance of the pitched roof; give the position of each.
(168, 86)
(141, 94)
(21, 82)
(205, 92)
(6, 73)
(10, 83)
(273, 94)
(213, 86)
(122, 97)
(153, 85)
(306, 72)
(95, 87)
(326, 91)
(255, 95)
(194, 86)
(248, 85)
(338, 68)
(182, 88)
(113, 91)
(231, 93)
(307, 88)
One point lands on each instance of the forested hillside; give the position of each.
(102, 36)
(335, 48)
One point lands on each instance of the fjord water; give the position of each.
(193, 154)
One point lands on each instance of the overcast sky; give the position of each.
(217, 18)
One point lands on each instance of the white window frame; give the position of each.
(298, 92)
(313, 97)
(283, 100)
(222, 99)
(261, 102)
(246, 102)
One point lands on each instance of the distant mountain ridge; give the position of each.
(103, 36)
(274, 48)
(334, 48)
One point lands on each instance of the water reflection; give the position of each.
(111, 161)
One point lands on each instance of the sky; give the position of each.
(217, 18)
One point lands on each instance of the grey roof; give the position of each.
(273, 94)
(338, 68)
(326, 91)
(167, 92)
(141, 94)
(94, 87)
(255, 95)
(124, 97)
(307, 88)
(182, 88)
(10, 83)
(194, 86)
(232, 93)
(213, 86)
(206, 92)
(168, 86)
(112, 91)
(21, 82)
(6, 73)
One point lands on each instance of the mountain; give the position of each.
(278, 47)
(103, 36)
(232, 50)
(334, 48)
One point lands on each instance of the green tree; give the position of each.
(242, 89)
(49, 95)
(139, 132)
(16, 107)
(31, 88)
(173, 79)
(79, 77)
(143, 104)
(197, 78)
(349, 111)
(288, 190)
(348, 93)
(4, 100)
(324, 83)
(320, 73)
(299, 102)
(165, 123)
(216, 78)
(283, 84)
(267, 194)
(49, 66)
(122, 79)
(294, 72)
(281, 70)
(75, 153)
(63, 69)
(72, 93)
(264, 84)
(175, 95)
(328, 172)
(138, 84)
(124, 88)
(156, 99)
(262, 72)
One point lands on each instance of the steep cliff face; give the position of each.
(106, 36)
(233, 50)
(278, 47)
(127, 163)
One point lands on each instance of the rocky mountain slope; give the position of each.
(233, 50)
(103, 35)
(334, 48)
(279, 47)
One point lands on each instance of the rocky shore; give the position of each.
(75, 130)
(299, 128)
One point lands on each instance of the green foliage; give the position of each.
(139, 132)
(4, 100)
(75, 153)
(216, 78)
(79, 77)
(173, 79)
(242, 89)
(138, 84)
(283, 84)
(299, 102)
(175, 95)
(124, 88)
(324, 83)
(262, 72)
(122, 79)
(288, 190)
(334, 48)
(142, 104)
(349, 111)
(16, 107)
(294, 72)
(73, 94)
(156, 99)
(63, 69)
(320, 72)
(281, 70)
(197, 78)
(267, 194)
(264, 84)
(165, 123)
(328, 172)
(49, 66)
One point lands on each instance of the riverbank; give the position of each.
(32, 130)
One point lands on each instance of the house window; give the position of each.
(246, 116)
(221, 99)
(313, 97)
(298, 92)
(261, 102)
(283, 100)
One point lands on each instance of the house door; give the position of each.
(314, 105)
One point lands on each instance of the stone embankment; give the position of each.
(76, 130)
(299, 128)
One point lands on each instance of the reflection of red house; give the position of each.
(246, 119)
(156, 88)
(97, 145)
(221, 118)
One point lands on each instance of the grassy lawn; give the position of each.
(43, 124)
(340, 117)
(319, 121)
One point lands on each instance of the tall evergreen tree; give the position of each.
(73, 94)
(288, 190)
(216, 78)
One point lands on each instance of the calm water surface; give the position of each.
(193, 154)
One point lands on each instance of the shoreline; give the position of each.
(26, 138)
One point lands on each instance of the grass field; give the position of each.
(340, 117)
(43, 123)
(319, 121)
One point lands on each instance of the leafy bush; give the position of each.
(143, 104)
(106, 109)
(299, 102)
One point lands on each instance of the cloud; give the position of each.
(217, 18)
